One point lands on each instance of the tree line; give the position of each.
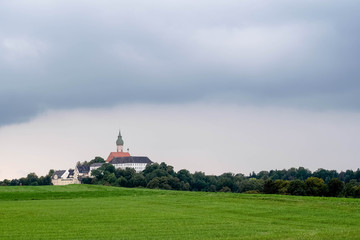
(30, 180)
(294, 181)
(302, 173)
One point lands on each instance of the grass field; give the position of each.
(100, 212)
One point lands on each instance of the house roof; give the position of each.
(131, 159)
(59, 173)
(113, 155)
(96, 164)
(83, 169)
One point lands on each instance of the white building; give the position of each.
(63, 177)
(71, 176)
(138, 163)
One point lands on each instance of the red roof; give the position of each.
(116, 155)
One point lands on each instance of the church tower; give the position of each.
(119, 143)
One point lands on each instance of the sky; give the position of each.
(212, 86)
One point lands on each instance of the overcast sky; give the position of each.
(208, 86)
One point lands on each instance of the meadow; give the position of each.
(102, 212)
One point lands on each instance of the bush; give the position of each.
(225, 189)
(269, 187)
(297, 187)
(315, 186)
(252, 192)
(335, 187)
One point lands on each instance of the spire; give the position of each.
(119, 141)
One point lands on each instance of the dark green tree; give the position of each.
(351, 188)
(297, 187)
(159, 182)
(14, 182)
(32, 179)
(335, 187)
(199, 183)
(5, 182)
(324, 174)
(303, 173)
(251, 184)
(185, 176)
(138, 180)
(269, 187)
(227, 180)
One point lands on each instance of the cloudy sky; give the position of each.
(213, 86)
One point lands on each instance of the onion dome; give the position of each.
(119, 141)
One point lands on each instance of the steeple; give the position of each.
(119, 143)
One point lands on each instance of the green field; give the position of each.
(100, 212)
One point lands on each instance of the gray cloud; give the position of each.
(69, 54)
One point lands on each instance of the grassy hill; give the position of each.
(100, 212)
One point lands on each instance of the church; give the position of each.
(121, 159)
(118, 159)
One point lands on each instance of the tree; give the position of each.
(250, 184)
(357, 191)
(303, 173)
(174, 182)
(263, 175)
(326, 175)
(87, 180)
(51, 172)
(169, 169)
(155, 170)
(138, 180)
(185, 176)
(357, 175)
(154, 183)
(199, 183)
(315, 186)
(97, 173)
(159, 182)
(291, 174)
(297, 187)
(110, 178)
(102, 172)
(352, 189)
(281, 186)
(186, 187)
(108, 168)
(32, 179)
(227, 180)
(269, 187)
(5, 182)
(121, 181)
(97, 160)
(46, 180)
(335, 187)
(129, 174)
(14, 182)
(23, 181)
(349, 175)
